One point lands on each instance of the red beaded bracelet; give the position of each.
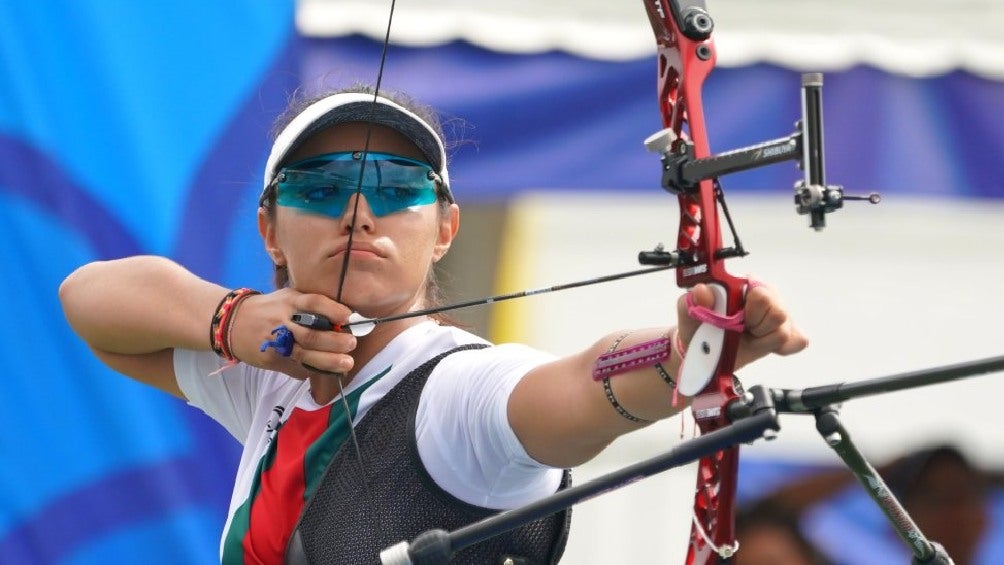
(219, 328)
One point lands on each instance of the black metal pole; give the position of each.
(811, 398)
(813, 165)
(924, 550)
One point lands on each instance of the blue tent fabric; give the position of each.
(144, 130)
(560, 122)
(109, 124)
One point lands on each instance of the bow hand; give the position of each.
(767, 327)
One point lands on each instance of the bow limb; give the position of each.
(686, 56)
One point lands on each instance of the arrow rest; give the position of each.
(659, 256)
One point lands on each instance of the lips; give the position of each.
(358, 247)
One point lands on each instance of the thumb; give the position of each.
(687, 326)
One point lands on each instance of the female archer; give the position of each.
(352, 444)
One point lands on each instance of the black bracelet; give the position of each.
(617, 406)
(665, 375)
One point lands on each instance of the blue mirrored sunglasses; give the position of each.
(324, 184)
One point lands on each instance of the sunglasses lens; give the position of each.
(389, 199)
(325, 184)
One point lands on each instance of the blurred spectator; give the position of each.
(945, 494)
(769, 535)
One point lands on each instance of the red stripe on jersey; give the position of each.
(280, 499)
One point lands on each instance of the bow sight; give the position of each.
(682, 172)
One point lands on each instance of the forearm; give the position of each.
(139, 305)
(564, 417)
(634, 398)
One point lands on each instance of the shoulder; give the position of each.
(512, 359)
(475, 376)
(463, 434)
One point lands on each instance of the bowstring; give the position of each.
(348, 254)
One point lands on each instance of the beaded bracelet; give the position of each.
(219, 328)
(650, 353)
(609, 392)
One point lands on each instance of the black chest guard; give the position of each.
(352, 517)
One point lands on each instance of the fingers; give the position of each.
(768, 327)
(764, 312)
(785, 340)
(323, 349)
(323, 306)
(793, 341)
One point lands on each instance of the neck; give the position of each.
(325, 387)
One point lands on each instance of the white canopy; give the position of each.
(915, 37)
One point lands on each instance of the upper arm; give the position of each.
(464, 437)
(155, 369)
(230, 397)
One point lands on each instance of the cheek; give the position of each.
(414, 252)
(416, 242)
(293, 230)
(424, 240)
(297, 236)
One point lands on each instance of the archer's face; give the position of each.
(390, 256)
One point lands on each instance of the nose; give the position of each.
(357, 215)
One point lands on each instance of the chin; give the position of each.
(378, 306)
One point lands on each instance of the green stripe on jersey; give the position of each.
(233, 544)
(319, 454)
(315, 461)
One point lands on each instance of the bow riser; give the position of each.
(686, 57)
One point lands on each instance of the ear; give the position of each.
(266, 227)
(449, 224)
